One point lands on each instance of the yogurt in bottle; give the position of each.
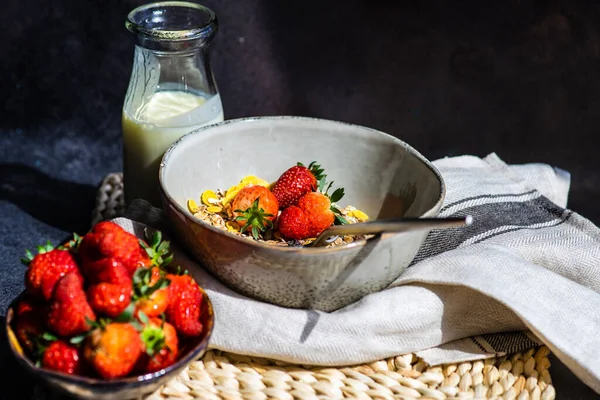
(165, 118)
(171, 91)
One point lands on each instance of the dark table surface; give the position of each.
(512, 77)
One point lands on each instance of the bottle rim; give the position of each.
(138, 23)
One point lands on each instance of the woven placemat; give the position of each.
(222, 375)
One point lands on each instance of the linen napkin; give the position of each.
(526, 272)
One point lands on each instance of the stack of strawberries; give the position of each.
(105, 305)
(301, 193)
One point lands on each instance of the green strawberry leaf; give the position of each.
(321, 184)
(49, 337)
(257, 220)
(153, 338)
(136, 325)
(127, 314)
(337, 195)
(339, 220)
(77, 339)
(72, 244)
(141, 283)
(339, 217)
(28, 257)
(158, 250)
(143, 317)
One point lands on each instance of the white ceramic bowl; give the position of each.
(382, 176)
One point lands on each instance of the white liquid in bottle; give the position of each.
(164, 119)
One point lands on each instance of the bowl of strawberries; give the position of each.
(247, 198)
(106, 315)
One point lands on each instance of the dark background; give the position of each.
(519, 78)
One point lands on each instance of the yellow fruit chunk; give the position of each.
(231, 193)
(208, 195)
(253, 180)
(214, 209)
(246, 181)
(232, 226)
(192, 206)
(361, 216)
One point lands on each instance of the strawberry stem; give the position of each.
(29, 256)
(158, 250)
(141, 283)
(153, 338)
(256, 219)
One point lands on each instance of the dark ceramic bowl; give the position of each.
(382, 176)
(122, 389)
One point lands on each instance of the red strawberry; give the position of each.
(113, 350)
(295, 182)
(45, 269)
(69, 308)
(110, 291)
(160, 344)
(255, 207)
(110, 270)
(151, 292)
(61, 356)
(109, 299)
(293, 223)
(185, 305)
(109, 240)
(317, 209)
(29, 323)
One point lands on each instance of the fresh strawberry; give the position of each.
(109, 240)
(29, 323)
(160, 344)
(150, 288)
(185, 305)
(255, 207)
(296, 182)
(317, 209)
(46, 268)
(63, 357)
(109, 299)
(293, 223)
(113, 350)
(69, 311)
(109, 270)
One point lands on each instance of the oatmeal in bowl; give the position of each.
(292, 211)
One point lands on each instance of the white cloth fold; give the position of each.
(527, 271)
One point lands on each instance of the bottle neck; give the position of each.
(172, 26)
(152, 43)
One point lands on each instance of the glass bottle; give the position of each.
(172, 90)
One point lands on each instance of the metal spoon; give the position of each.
(389, 225)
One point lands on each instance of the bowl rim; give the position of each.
(264, 246)
(96, 382)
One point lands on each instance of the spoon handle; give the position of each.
(392, 225)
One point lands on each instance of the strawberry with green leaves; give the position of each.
(296, 182)
(46, 268)
(161, 345)
(254, 208)
(150, 291)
